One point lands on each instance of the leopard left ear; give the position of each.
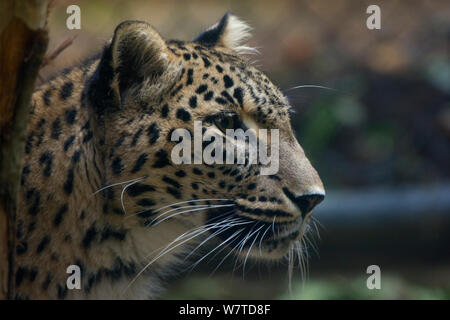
(230, 32)
(136, 53)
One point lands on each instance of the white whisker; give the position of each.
(189, 201)
(311, 86)
(186, 211)
(218, 232)
(183, 207)
(116, 184)
(217, 247)
(243, 243)
(248, 253)
(260, 241)
(164, 252)
(123, 192)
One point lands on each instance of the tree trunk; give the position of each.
(23, 42)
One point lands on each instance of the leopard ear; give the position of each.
(136, 53)
(230, 32)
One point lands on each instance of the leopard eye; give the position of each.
(226, 121)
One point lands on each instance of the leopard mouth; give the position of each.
(266, 239)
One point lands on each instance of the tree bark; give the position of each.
(23, 42)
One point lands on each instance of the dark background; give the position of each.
(380, 137)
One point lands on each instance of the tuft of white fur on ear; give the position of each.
(236, 34)
(230, 32)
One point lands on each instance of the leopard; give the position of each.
(100, 193)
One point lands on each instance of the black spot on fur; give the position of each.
(89, 236)
(66, 90)
(62, 291)
(120, 140)
(228, 81)
(197, 171)
(145, 214)
(46, 158)
(116, 165)
(174, 192)
(165, 111)
(109, 232)
(59, 215)
(208, 96)
(161, 159)
(30, 193)
(171, 182)
(136, 137)
(201, 89)
(180, 173)
(68, 185)
(20, 274)
(227, 96)
(184, 115)
(146, 202)
(43, 244)
(206, 62)
(88, 136)
(193, 102)
(239, 96)
(274, 177)
(68, 142)
(221, 101)
(234, 172)
(187, 56)
(86, 126)
(31, 227)
(138, 189)
(21, 247)
(176, 90)
(47, 281)
(29, 143)
(71, 115)
(139, 163)
(46, 97)
(153, 133)
(41, 123)
(33, 273)
(76, 156)
(190, 78)
(25, 172)
(56, 129)
(35, 206)
(219, 68)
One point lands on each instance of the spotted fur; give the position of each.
(107, 122)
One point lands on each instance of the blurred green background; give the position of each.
(380, 139)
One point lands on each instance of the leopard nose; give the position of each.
(307, 202)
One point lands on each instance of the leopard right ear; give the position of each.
(136, 53)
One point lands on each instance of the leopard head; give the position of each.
(146, 88)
